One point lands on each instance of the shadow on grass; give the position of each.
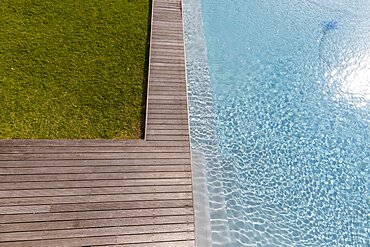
(146, 75)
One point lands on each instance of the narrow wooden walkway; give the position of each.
(109, 193)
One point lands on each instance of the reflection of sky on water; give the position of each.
(345, 54)
(354, 79)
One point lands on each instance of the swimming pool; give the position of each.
(279, 97)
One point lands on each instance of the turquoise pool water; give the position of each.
(289, 82)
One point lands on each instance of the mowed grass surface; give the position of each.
(73, 68)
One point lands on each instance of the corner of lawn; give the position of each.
(73, 69)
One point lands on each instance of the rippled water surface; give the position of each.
(290, 83)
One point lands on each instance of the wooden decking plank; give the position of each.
(167, 68)
(169, 60)
(97, 142)
(167, 137)
(170, 34)
(101, 169)
(169, 127)
(167, 48)
(157, 72)
(162, 28)
(162, 32)
(162, 52)
(24, 209)
(94, 163)
(176, 92)
(162, 9)
(185, 243)
(97, 183)
(168, 5)
(77, 144)
(168, 101)
(168, 77)
(157, 121)
(165, 40)
(167, 97)
(93, 191)
(104, 206)
(95, 223)
(167, 82)
(175, 77)
(174, 21)
(104, 240)
(75, 242)
(92, 156)
(168, 64)
(177, 58)
(168, 43)
(167, 73)
(152, 116)
(166, 60)
(168, 38)
(171, 84)
(168, 89)
(96, 206)
(94, 198)
(91, 176)
(163, 75)
(95, 241)
(165, 24)
(169, 132)
(163, 13)
(188, 235)
(168, 107)
(178, 50)
(107, 214)
(167, 9)
(72, 149)
(166, 16)
(170, 67)
(179, 77)
(168, 111)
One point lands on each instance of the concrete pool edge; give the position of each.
(207, 188)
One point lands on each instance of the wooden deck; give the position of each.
(109, 193)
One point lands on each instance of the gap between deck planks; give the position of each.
(110, 193)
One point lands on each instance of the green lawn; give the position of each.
(73, 68)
